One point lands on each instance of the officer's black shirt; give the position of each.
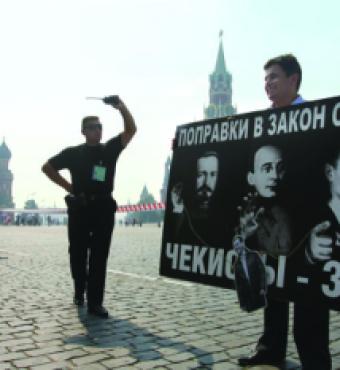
(81, 160)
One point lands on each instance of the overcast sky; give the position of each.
(157, 55)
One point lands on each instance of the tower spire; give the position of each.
(220, 87)
(220, 61)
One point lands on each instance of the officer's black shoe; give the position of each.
(98, 311)
(260, 358)
(78, 299)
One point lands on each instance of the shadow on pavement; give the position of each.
(141, 343)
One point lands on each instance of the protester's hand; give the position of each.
(114, 101)
(249, 215)
(177, 198)
(320, 245)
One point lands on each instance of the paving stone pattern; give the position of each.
(154, 323)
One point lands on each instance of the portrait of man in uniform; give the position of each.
(264, 223)
(324, 241)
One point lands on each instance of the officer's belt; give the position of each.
(92, 197)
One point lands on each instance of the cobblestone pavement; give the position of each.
(154, 322)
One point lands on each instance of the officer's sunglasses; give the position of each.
(93, 126)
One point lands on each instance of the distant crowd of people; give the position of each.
(132, 222)
(30, 219)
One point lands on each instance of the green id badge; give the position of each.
(98, 173)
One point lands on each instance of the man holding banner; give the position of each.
(311, 320)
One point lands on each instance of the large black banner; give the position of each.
(271, 178)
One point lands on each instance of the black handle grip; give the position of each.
(111, 99)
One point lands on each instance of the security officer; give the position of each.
(90, 205)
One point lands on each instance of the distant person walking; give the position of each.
(90, 205)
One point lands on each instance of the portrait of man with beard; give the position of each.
(206, 179)
(191, 214)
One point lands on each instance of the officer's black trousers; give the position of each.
(89, 230)
(311, 333)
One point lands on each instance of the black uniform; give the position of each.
(274, 233)
(91, 210)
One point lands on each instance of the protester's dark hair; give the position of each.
(87, 120)
(289, 64)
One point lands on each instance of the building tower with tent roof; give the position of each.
(6, 177)
(220, 93)
(163, 191)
